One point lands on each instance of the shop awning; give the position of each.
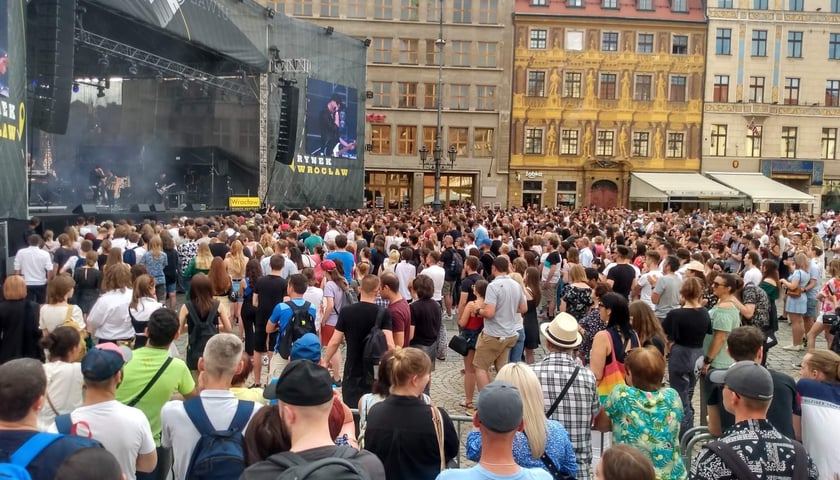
(760, 188)
(661, 187)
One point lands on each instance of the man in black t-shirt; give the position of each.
(354, 323)
(268, 292)
(621, 275)
(472, 276)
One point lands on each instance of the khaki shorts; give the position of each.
(448, 287)
(489, 349)
(275, 367)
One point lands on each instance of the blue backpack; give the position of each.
(130, 256)
(218, 453)
(14, 467)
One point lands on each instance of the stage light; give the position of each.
(367, 42)
(100, 92)
(270, 12)
(132, 69)
(329, 30)
(104, 62)
(75, 87)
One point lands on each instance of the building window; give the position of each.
(407, 94)
(406, 140)
(486, 98)
(487, 54)
(483, 145)
(430, 97)
(533, 141)
(644, 44)
(458, 139)
(678, 90)
(408, 51)
(794, 47)
(760, 5)
(539, 3)
(609, 42)
(383, 10)
(721, 90)
(835, 6)
(461, 11)
(789, 142)
(644, 4)
(759, 43)
(604, 143)
(488, 11)
(572, 84)
(429, 136)
(574, 3)
(718, 141)
(608, 84)
(829, 144)
(757, 89)
(460, 54)
(679, 45)
(791, 91)
(303, 7)
(459, 97)
(432, 53)
(723, 41)
(569, 142)
(679, 5)
(724, 4)
(610, 4)
(832, 93)
(796, 5)
(574, 41)
(410, 10)
(381, 50)
(754, 141)
(538, 39)
(641, 144)
(329, 8)
(566, 194)
(380, 139)
(381, 94)
(433, 10)
(536, 84)
(834, 46)
(676, 141)
(644, 85)
(356, 8)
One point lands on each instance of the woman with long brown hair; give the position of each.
(199, 310)
(143, 303)
(220, 282)
(88, 280)
(334, 286)
(529, 319)
(235, 265)
(115, 257)
(647, 326)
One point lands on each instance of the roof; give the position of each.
(661, 11)
(761, 188)
(644, 187)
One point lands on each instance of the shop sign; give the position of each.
(533, 174)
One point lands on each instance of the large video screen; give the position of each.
(331, 119)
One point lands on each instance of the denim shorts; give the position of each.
(471, 336)
(171, 287)
(811, 311)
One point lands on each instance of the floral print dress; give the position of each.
(649, 421)
(578, 300)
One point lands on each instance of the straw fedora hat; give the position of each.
(562, 331)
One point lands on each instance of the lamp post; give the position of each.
(436, 162)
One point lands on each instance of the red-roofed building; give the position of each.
(602, 89)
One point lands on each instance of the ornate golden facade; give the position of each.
(618, 95)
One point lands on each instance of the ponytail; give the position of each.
(60, 342)
(407, 363)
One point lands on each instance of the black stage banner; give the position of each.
(12, 110)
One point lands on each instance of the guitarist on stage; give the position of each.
(329, 121)
(162, 188)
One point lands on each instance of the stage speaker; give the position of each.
(85, 209)
(158, 207)
(141, 208)
(195, 207)
(287, 131)
(50, 63)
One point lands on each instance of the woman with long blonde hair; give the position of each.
(235, 264)
(156, 261)
(540, 436)
(200, 263)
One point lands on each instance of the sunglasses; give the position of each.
(718, 284)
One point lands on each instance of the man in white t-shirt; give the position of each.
(434, 271)
(124, 431)
(36, 267)
(644, 284)
(221, 361)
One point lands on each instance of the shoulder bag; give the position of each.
(555, 472)
(437, 419)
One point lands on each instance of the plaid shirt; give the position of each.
(577, 408)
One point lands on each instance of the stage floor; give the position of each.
(56, 217)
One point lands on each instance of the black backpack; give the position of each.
(374, 346)
(301, 323)
(218, 453)
(339, 466)
(457, 264)
(201, 332)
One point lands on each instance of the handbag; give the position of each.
(555, 472)
(459, 344)
(613, 375)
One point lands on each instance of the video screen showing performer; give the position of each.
(331, 126)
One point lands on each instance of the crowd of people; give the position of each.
(584, 335)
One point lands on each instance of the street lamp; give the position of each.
(436, 162)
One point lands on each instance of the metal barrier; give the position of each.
(459, 421)
(690, 440)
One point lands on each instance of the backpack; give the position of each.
(301, 323)
(13, 466)
(457, 264)
(130, 256)
(201, 332)
(338, 466)
(374, 346)
(218, 453)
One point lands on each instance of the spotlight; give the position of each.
(100, 92)
(104, 62)
(270, 12)
(367, 42)
(329, 30)
(75, 87)
(132, 69)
